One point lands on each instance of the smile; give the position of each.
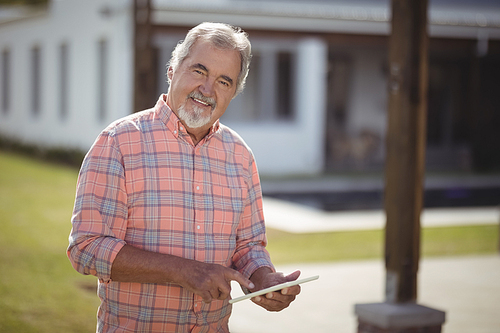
(203, 100)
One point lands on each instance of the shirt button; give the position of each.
(197, 188)
(198, 227)
(175, 132)
(182, 128)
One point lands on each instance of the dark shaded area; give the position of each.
(60, 155)
(366, 200)
(24, 2)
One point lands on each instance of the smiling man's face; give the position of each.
(203, 85)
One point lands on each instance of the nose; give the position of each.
(207, 87)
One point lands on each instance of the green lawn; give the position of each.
(355, 245)
(40, 291)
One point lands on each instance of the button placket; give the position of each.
(199, 201)
(198, 192)
(197, 304)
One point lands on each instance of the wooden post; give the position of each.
(144, 66)
(406, 139)
(405, 166)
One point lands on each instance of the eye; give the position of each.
(224, 83)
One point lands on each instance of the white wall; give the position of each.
(367, 110)
(295, 147)
(281, 147)
(368, 107)
(81, 25)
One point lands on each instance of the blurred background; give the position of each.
(314, 112)
(315, 104)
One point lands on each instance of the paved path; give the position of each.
(466, 288)
(296, 218)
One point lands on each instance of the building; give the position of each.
(315, 100)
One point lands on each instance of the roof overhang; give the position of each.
(15, 13)
(369, 19)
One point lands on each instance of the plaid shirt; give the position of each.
(143, 183)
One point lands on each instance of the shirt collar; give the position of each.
(170, 119)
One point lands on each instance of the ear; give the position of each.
(170, 72)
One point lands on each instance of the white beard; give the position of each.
(194, 119)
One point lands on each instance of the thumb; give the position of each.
(292, 276)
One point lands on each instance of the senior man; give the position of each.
(169, 206)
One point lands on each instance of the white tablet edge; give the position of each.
(273, 288)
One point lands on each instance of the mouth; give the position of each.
(203, 100)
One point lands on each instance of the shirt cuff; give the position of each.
(254, 264)
(107, 250)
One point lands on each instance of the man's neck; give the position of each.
(196, 134)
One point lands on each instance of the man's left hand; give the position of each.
(277, 300)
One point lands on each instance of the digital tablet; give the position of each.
(273, 288)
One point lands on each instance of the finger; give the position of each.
(295, 290)
(280, 297)
(224, 292)
(220, 289)
(232, 275)
(206, 297)
(214, 293)
(273, 304)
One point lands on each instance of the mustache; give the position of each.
(203, 98)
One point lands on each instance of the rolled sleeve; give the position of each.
(252, 259)
(100, 211)
(251, 253)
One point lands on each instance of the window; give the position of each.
(285, 79)
(35, 80)
(269, 92)
(5, 81)
(245, 107)
(102, 66)
(63, 81)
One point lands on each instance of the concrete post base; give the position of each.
(398, 318)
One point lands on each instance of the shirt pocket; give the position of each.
(228, 206)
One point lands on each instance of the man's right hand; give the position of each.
(209, 281)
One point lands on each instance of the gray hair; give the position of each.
(221, 35)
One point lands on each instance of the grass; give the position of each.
(369, 244)
(286, 247)
(40, 291)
